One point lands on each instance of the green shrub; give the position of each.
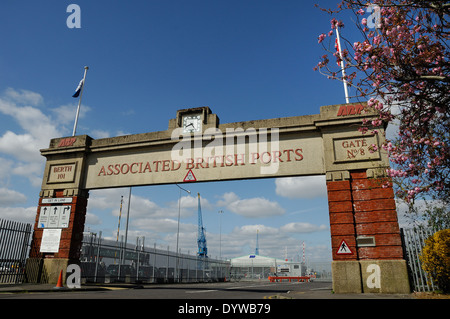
(435, 259)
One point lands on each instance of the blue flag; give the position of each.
(78, 90)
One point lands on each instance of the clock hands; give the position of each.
(192, 123)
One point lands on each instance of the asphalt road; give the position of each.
(217, 300)
(221, 291)
(228, 290)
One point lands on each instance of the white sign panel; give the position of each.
(64, 216)
(50, 240)
(43, 216)
(54, 217)
(61, 200)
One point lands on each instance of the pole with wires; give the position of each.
(118, 228)
(338, 48)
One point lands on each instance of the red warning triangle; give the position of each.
(344, 249)
(190, 177)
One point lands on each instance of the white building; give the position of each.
(256, 266)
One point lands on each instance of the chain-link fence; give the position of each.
(109, 261)
(263, 273)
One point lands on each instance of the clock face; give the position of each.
(192, 123)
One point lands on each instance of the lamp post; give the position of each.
(178, 229)
(220, 233)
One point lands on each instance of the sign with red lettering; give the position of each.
(346, 110)
(62, 173)
(190, 177)
(328, 144)
(216, 161)
(68, 141)
(356, 149)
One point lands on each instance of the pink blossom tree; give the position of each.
(400, 66)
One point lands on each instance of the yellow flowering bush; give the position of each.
(435, 259)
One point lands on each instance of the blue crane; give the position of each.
(201, 239)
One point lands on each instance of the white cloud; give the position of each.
(407, 219)
(65, 114)
(256, 207)
(301, 187)
(105, 198)
(250, 230)
(99, 134)
(21, 145)
(11, 197)
(92, 219)
(164, 225)
(34, 131)
(19, 214)
(5, 169)
(31, 120)
(302, 228)
(24, 96)
(227, 199)
(110, 199)
(252, 207)
(141, 206)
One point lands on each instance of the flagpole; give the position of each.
(342, 65)
(79, 102)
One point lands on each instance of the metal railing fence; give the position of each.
(413, 243)
(106, 261)
(15, 240)
(109, 261)
(316, 270)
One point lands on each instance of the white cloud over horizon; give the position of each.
(32, 131)
(251, 207)
(301, 187)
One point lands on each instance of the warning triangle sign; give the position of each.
(344, 249)
(190, 177)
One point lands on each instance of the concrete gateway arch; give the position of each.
(365, 237)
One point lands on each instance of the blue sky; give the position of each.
(245, 59)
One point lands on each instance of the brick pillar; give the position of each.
(375, 216)
(45, 267)
(361, 209)
(345, 267)
(342, 223)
